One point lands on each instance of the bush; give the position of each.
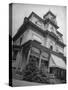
(33, 74)
(30, 71)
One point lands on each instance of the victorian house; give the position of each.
(40, 39)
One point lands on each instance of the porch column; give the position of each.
(40, 60)
(28, 55)
(49, 62)
(23, 61)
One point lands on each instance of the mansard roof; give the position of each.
(33, 13)
(49, 12)
(59, 33)
(44, 21)
(27, 23)
(51, 22)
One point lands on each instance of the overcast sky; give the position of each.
(22, 10)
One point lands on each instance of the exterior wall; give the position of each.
(46, 26)
(33, 19)
(31, 35)
(37, 37)
(51, 28)
(56, 47)
(17, 42)
(39, 23)
(47, 42)
(60, 49)
(50, 42)
(60, 37)
(48, 16)
(26, 36)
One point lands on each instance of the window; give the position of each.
(36, 22)
(52, 28)
(35, 50)
(56, 49)
(34, 60)
(20, 40)
(44, 65)
(44, 54)
(14, 54)
(39, 23)
(51, 47)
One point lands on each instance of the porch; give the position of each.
(33, 51)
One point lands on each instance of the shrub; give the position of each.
(33, 74)
(30, 71)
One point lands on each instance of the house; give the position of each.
(39, 38)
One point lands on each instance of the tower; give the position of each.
(54, 38)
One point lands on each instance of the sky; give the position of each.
(19, 11)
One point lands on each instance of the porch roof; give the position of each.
(56, 61)
(38, 45)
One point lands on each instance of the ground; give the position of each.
(24, 83)
(18, 81)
